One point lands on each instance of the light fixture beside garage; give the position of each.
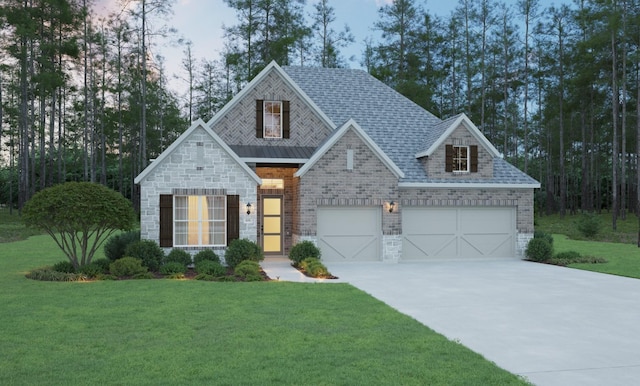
(248, 208)
(391, 206)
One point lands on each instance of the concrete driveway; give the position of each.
(552, 325)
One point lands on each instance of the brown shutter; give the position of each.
(166, 220)
(259, 118)
(233, 218)
(448, 161)
(474, 158)
(285, 119)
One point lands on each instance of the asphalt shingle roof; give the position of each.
(400, 127)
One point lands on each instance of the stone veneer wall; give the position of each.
(238, 125)
(189, 168)
(435, 164)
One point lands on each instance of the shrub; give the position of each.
(206, 254)
(173, 267)
(568, 255)
(91, 270)
(543, 235)
(127, 266)
(143, 275)
(148, 251)
(588, 225)
(202, 276)
(302, 251)
(178, 256)
(64, 266)
(48, 274)
(211, 268)
(314, 268)
(240, 250)
(247, 268)
(116, 246)
(539, 250)
(103, 264)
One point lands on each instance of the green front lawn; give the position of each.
(622, 259)
(193, 332)
(618, 247)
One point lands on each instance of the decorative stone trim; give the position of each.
(348, 202)
(391, 248)
(458, 202)
(522, 239)
(199, 192)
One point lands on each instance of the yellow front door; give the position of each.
(272, 225)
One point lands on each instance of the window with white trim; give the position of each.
(199, 221)
(272, 119)
(461, 159)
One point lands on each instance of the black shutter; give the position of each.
(259, 118)
(285, 119)
(474, 158)
(448, 161)
(233, 218)
(166, 220)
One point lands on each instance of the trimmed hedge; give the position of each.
(206, 254)
(148, 251)
(178, 256)
(303, 250)
(242, 249)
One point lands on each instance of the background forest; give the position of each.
(556, 89)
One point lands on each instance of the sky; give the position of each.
(202, 21)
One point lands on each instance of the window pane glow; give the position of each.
(199, 220)
(272, 183)
(271, 206)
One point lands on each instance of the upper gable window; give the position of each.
(461, 159)
(272, 119)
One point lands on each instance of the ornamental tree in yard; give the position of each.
(79, 216)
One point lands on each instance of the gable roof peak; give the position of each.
(450, 125)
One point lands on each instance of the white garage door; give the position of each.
(458, 233)
(349, 234)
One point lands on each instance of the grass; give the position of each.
(618, 247)
(622, 259)
(626, 232)
(11, 227)
(192, 332)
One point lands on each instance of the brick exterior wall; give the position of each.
(189, 168)
(329, 183)
(435, 164)
(521, 199)
(238, 125)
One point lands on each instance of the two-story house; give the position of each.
(336, 157)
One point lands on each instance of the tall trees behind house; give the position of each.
(557, 90)
(72, 88)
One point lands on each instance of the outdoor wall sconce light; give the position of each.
(248, 208)
(392, 206)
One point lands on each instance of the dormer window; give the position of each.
(461, 158)
(272, 119)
